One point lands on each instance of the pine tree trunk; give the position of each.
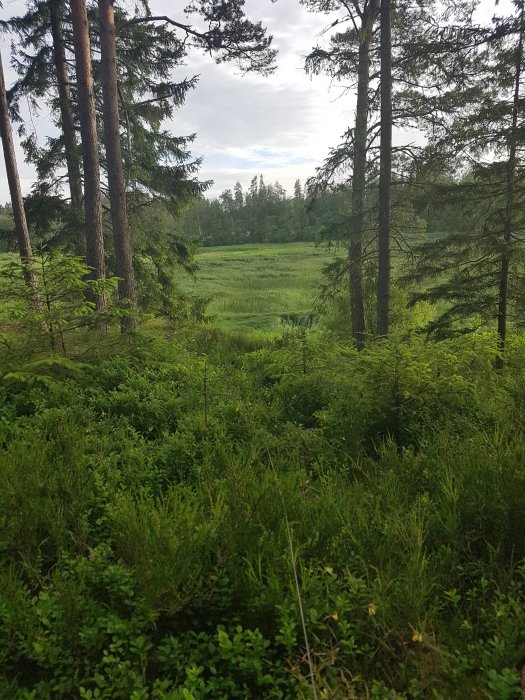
(116, 180)
(385, 174)
(17, 202)
(509, 205)
(355, 246)
(66, 110)
(88, 128)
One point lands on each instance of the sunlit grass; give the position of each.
(252, 286)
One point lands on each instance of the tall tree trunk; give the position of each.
(355, 246)
(66, 110)
(88, 128)
(509, 204)
(116, 180)
(385, 174)
(17, 202)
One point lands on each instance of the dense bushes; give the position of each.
(150, 503)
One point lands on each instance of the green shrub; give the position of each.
(150, 504)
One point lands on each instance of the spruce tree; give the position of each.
(476, 122)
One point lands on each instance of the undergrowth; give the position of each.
(144, 503)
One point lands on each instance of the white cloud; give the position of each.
(281, 125)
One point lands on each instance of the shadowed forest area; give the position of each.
(268, 444)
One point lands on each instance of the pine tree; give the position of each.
(154, 160)
(403, 58)
(510, 183)
(17, 203)
(90, 157)
(115, 170)
(385, 174)
(351, 50)
(67, 118)
(147, 49)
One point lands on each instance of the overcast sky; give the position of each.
(281, 126)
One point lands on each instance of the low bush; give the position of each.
(170, 515)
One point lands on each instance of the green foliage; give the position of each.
(263, 214)
(7, 235)
(229, 663)
(64, 306)
(145, 501)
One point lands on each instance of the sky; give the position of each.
(281, 126)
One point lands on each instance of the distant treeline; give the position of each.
(265, 213)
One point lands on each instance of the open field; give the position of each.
(252, 286)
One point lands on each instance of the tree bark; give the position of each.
(385, 174)
(17, 202)
(115, 170)
(509, 204)
(66, 110)
(88, 128)
(355, 246)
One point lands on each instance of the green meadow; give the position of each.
(251, 287)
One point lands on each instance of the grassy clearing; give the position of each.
(252, 286)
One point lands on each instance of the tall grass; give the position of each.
(252, 286)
